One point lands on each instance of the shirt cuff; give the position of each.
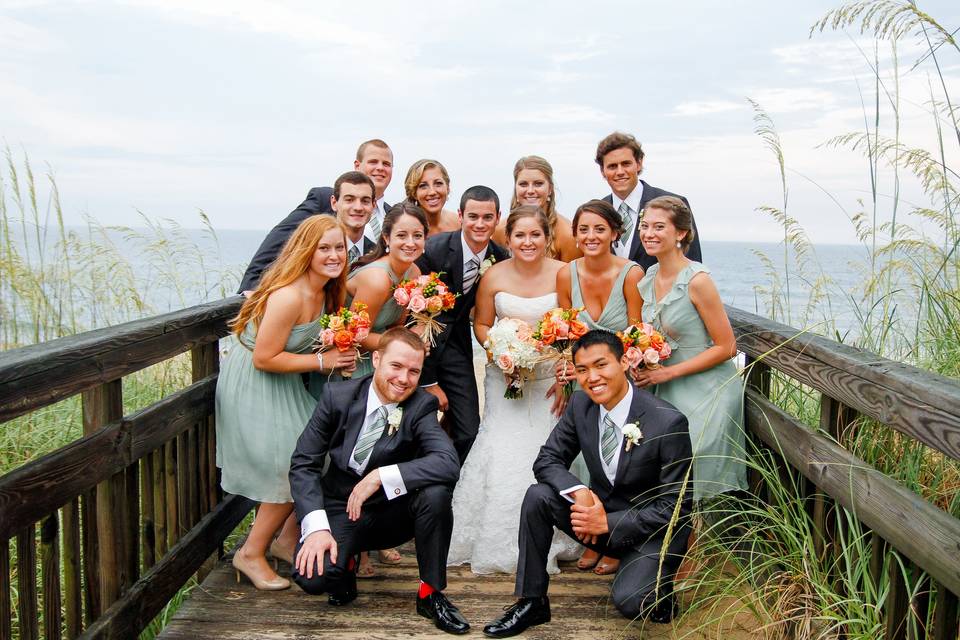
(566, 492)
(392, 482)
(432, 384)
(313, 522)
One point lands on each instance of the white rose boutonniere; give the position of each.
(486, 264)
(632, 435)
(393, 420)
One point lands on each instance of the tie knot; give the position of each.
(608, 422)
(381, 414)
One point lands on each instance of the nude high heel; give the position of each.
(275, 583)
(279, 553)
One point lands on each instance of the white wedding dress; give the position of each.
(495, 477)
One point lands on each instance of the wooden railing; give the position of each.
(130, 511)
(134, 504)
(852, 383)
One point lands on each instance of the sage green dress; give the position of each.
(613, 316)
(259, 417)
(388, 316)
(712, 400)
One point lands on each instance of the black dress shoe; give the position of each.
(444, 614)
(524, 613)
(342, 598)
(663, 611)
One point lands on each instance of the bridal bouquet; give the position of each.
(514, 351)
(555, 334)
(644, 346)
(425, 298)
(344, 330)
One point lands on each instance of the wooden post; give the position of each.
(835, 419)
(72, 577)
(101, 405)
(149, 526)
(159, 505)
(170, 489)
(897, 607)
(205, 361)
(945, 625)
(50, 564)
(27, 584)
(92, 607)
(6, 612)
(131, 525)
(758, 377)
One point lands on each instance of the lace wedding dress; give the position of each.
(495, 477)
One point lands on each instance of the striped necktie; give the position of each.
(609, 442)
(470, 274)
(374, 224)
(353, 254)
(369, 436)
(626, 218)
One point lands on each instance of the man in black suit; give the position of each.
(461, 257)
(637, 449)
(374, 159)
(390, 478)
(352, 202)
(621, 161)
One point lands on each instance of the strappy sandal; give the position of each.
(389, 556)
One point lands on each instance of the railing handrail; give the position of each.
(38, 375)
(915, 402)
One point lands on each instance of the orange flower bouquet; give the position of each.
(344, 330)
(555, 334)
(425, 298)
(644, 346)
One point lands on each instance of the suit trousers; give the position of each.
(455, 377)
(424, 515)
(634, 591)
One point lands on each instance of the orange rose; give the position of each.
(343, 340)
(548, 333)
(656, 341)
(577, 329)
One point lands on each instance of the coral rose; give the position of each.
(343, 340)
(402, 296)
(634, 357)
(505, 362)
(665, 350)
(417, 303)
(577, 329)
(524, 331)
(362, 333)
(562, 329)
(326, 337)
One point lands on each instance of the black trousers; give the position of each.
(635, 588)
(462, 417)
(424, 515)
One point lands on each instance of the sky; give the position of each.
(238, 108)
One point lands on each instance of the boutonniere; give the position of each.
(486, 264)
(393, 420)
(632, 435)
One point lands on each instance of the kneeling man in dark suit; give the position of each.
(390, 479)
(637, 449)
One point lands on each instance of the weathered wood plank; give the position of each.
(50, 567)
(896, 610)
(159, 506)
(6, 610)
(42, 374)
(72, 576)
(27, 584)
(91, 551)
(880, 502)
(148, 556)
(35, 489)
(149, 594)
(917, 403)
(945, 623)
(170, 492)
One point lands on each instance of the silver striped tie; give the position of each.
(609, 441)
(470, 274)
(626, 218)
(374, 224)
(353, 255)
(370, 436)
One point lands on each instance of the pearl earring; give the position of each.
(678, 244)
(387, 249)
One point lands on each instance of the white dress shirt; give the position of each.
(390, 476)
(633, 201)
(619, 415)
(378, 213)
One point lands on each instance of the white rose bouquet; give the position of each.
(510, 342)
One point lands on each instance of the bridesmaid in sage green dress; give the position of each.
(371, 282)
(261, 403)
(605, 285)
(700, 379)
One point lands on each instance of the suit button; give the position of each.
(396, 491)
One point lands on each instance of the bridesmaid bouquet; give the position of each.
(425, 298)
(344, 330)
(514, 351)
(644, 346)
(555, 334)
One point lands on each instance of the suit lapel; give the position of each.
(635, 416)
(353, 420)
(636, 247)
(455, 253)
(590, 438)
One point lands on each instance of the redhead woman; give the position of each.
(261, 402)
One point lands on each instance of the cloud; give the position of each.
(787, 100)
(699, 108)
(19, 38)
(549, 115)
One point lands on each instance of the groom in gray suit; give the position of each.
(637, 449)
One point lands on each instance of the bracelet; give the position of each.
(320, 359)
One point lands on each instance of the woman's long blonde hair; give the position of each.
(540, 164)
(293, 262)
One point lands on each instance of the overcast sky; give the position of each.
(239, 107)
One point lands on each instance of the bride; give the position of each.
(486, 501)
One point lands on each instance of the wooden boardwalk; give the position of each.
(221, 608)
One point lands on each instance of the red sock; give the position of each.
(425, 590)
